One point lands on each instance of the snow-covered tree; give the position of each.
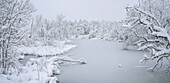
(149, 22)
(14, 17)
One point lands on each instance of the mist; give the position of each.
(108, 10)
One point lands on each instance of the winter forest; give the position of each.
(35, 49)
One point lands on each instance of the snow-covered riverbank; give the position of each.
(56, 49)
(42, 69)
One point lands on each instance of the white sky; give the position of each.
(109, 10)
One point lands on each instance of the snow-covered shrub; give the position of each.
(42, 70)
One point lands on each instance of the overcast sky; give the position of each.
(109, 10)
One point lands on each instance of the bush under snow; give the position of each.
(41, 70)
(56, 48)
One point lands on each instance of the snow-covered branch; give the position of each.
(156, 38)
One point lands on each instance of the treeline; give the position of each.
(62, 29)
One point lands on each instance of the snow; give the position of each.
(41, 70)
(162, 32)
(107, 62)
(120, 65)
(103, 59)
(145, 47)
(165, 51)
(45, 50)
(149, 15)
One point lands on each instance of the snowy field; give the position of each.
(108, 63)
